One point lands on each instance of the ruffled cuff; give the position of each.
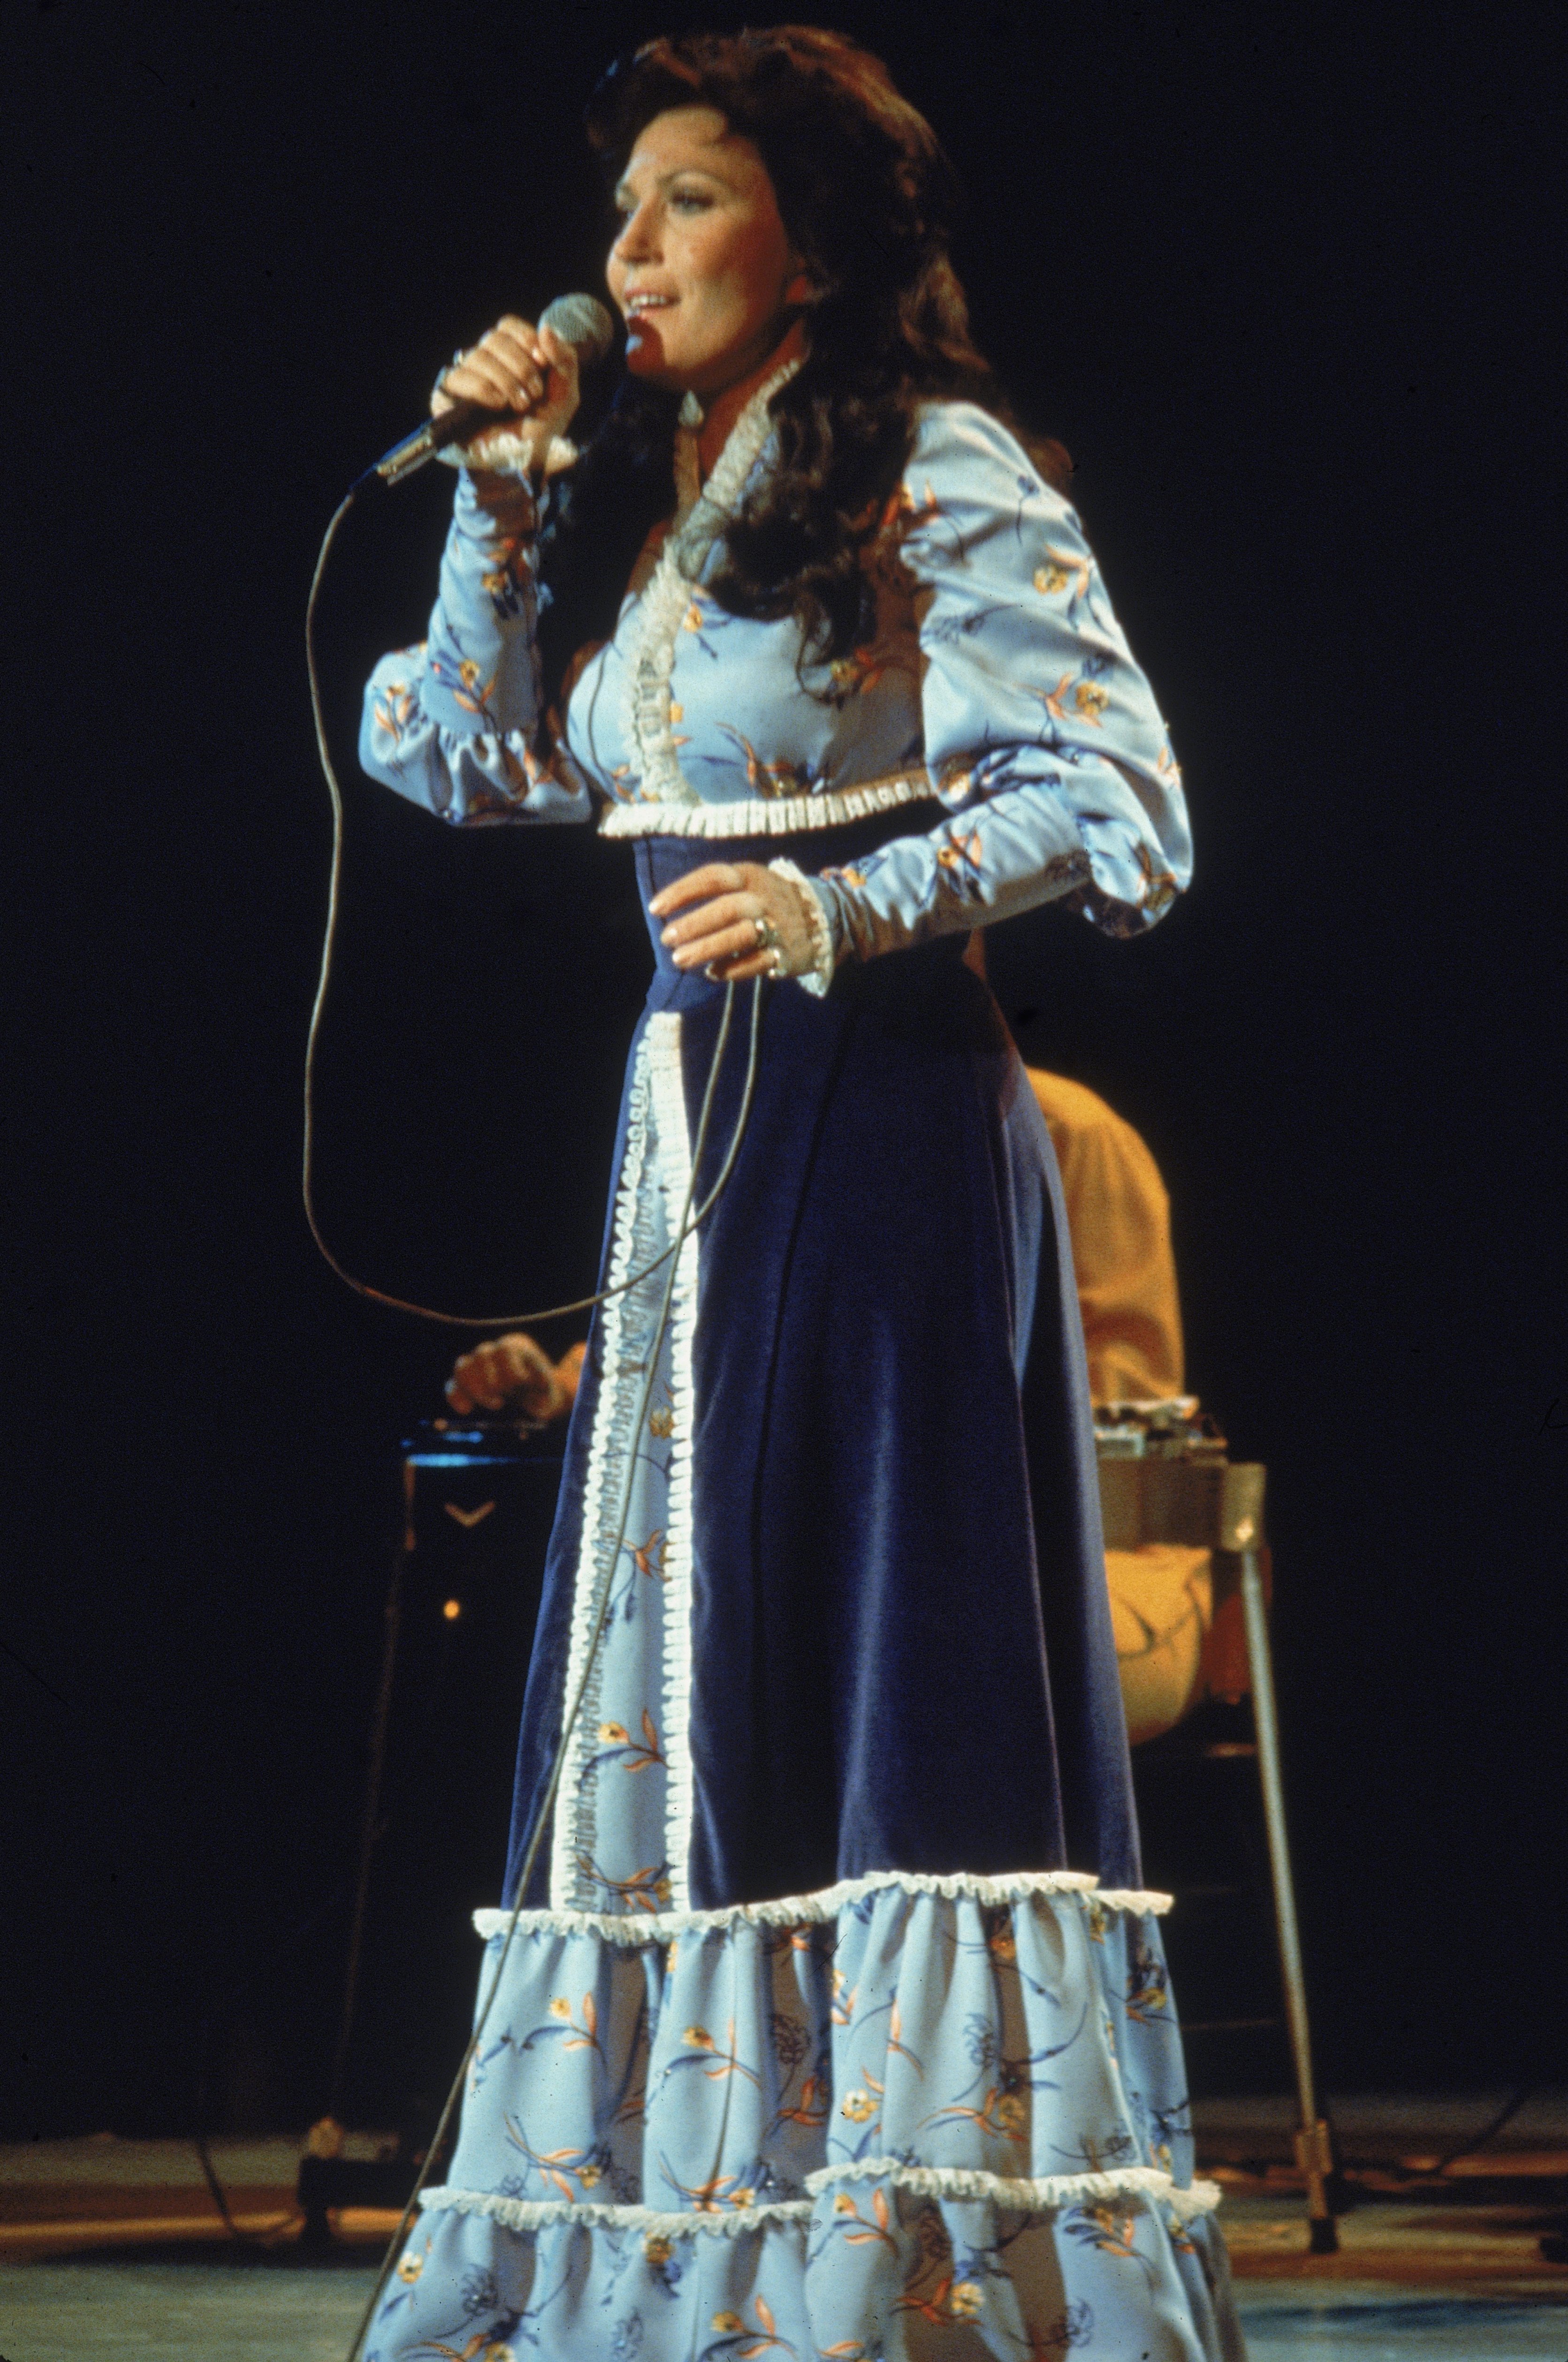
(819, 917)
(510, 450)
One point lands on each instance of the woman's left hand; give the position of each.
(740, 920)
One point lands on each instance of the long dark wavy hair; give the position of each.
(868, 199)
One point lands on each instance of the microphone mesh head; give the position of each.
(582, 322)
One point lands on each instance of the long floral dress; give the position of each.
(837, 2024)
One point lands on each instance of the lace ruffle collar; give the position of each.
(702, 513)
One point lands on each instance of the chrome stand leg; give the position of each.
(1314, 2153)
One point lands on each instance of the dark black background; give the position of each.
(1280, 279)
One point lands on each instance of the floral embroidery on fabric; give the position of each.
(743, 2339)
(508, 578)
(770, 779)
(617, 1746)
(467, 689)
(393, 710)
(644, 1890)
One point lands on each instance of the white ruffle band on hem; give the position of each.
(1044, 2195)
(804, 1910)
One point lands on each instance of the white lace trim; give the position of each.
(769, 815)
(817, 978)
(650, 652)
(688, 458)
(1049, 2191)
(668, 1088)
(1043, 2196)
(533, 2213)
(800, 1910)
(511, 451)
(607, 1453)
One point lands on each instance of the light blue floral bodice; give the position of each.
(996, 680)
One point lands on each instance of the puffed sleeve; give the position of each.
(1042, 735)
(457, 723)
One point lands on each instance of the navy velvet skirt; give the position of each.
(882, 1518)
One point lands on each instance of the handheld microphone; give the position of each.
(580, 321)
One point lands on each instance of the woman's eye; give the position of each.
(691, 201)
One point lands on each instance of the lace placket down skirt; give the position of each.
(837, 2021)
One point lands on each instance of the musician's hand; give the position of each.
(526, 373)
(510, 1374)
(724, 902)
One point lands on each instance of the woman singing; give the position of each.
(835, 2023)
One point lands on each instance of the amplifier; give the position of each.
(479, 1506)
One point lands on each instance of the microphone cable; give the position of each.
(328, 948)
(689, 1221)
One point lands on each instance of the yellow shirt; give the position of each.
(1118, 1217)
(1170, 1648)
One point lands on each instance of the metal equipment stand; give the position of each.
(1213, 1503)
(1314, 2149)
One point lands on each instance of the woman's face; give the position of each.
(702, 267)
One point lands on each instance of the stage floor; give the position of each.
(115, 2247)
(210, 2307)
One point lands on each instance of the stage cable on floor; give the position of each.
(1488, 2131)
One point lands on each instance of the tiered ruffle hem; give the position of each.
(906, 2116)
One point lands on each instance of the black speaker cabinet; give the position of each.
(460, 1613)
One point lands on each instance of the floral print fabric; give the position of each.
(931, 2124)
(995, 677)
